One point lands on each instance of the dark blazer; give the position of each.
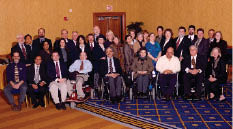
(17, 48)
(56, 44)
(169, 44)
(220, 70)
(51, 70)
(31, 74)
(104, 66)
(183, 47)
(203, 47)
(73, 51)
(61, 56)
(95, 37)
(97, 54)
(37, 46)
(87, 49)
(200, 64)
(223, 47)
(10, 69)
(192, 41)
(45, 56)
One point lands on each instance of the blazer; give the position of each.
(17, 48)
(104, 66)
(61, 56)
(183, 47)
(97, 54)
(220, 70)
(203, 47)
(192, 41)
(37, 46)
(10, 72)
(223, 47)
(170, 43)
(31, 74)
(73, 51)
(145, 65)
(51, 70)
(87, 49)
(129, 56)
(200, 63)
(137, 46)
(56, 45)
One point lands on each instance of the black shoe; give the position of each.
(58, 106)
(42, 104)
(35, 105)
(63, 106)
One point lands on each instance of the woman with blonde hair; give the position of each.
(109, 38)
(215, 75)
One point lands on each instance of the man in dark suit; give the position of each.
(111, 71)
(97, 33)
(211, 34)
(193, 68)
(37, 82)
(202, 44)
(37, 44)
(64, 34)
(57, 73)
(182, 44)
(23, 50)
(191, 36)
(72, 48)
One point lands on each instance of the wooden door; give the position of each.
(110, 21)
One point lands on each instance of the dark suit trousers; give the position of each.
(142, 83)
(37, 94)
(115, 86)
(193, 81)
(167, 83)
(213, 87)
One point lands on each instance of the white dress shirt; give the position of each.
(164, 63)
(191, 37)
(87, 66)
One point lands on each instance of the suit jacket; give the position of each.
(145, 65)
(87, 49)
(17, 48)
(200, 64)
(97, 54)
(137, 46)
(51, 70)
(203, 47)
(37, 46)
(56, 44)
(10, 72)
(170, 43)
(104, 66)
(220, 70)
(73, 51)
(183, 47)
(192, 41)
(31, 74)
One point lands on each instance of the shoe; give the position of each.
(13, 107)
(58, 106)
(63, 106)
(19, 107)
(35, 105)
(187, 96)
(222, 98)
(42, 104)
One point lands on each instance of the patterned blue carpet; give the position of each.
(179, 113)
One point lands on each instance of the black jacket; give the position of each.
(104, 66)
(31, 74)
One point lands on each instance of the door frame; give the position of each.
(122, 14)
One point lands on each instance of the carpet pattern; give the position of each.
(207, 114)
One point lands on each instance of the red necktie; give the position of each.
(57, 70)
(178, 43)
(24, 52)
(81, 66)
(91, 46)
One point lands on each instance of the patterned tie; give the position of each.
(193, 62)
(81, 66)
(91, 46)
(57, 70)
(24, 52)
(110, 66)
(16, 73)
(37, 75)
(178, 43)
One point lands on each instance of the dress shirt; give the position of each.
(87, 66)
(164, 63)
(191, 37)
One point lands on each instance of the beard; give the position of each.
(191, 33)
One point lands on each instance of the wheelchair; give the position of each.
(133, 94)
(158, 87)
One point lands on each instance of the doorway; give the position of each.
(115, 21)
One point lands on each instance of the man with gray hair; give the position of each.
(193, 68)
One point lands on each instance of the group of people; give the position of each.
(38, 66)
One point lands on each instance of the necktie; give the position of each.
(193, 63)
(81, 66)
(16, 73)
(110, 66)
(37, 75)
(24, 52)
(91, 46)
(57, 70)
(178, 43)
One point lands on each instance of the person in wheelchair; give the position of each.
(142, 68)
(193, 68)
(82, 67)
(110, 70)
(168, 66)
